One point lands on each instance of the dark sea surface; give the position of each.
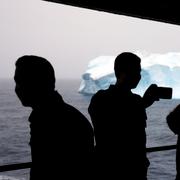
(14, 130)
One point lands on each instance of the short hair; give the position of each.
(37, 70)
(126, 62)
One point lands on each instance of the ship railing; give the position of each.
(27, 165)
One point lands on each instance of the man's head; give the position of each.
(34, 76)
(127, 67)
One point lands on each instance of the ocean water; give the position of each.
(14, 130)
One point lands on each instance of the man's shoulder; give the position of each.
(99, 93)
(137, 97)
(102, 93)
(71, 109)
(99, 97)
(73, 113)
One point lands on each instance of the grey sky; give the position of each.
(69, 37)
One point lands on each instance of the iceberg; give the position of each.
(161, 69)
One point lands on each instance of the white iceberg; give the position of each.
(161, 69)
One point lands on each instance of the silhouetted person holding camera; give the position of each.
(61, 140)
(119, 120)
(173, 120)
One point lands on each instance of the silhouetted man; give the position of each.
(119, 120)
(61, 137)
(173, 120)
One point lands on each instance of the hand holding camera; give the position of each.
(154, 93)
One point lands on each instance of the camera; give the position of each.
(164, 92)
(154, 93)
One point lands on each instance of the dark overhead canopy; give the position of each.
(163, 11)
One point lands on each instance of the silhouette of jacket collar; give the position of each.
(50, 100)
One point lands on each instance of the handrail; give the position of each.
(161, 148)
(12, 167)
(27, 165)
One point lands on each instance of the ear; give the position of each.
(122, 77)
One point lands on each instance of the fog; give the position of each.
(69, 37)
